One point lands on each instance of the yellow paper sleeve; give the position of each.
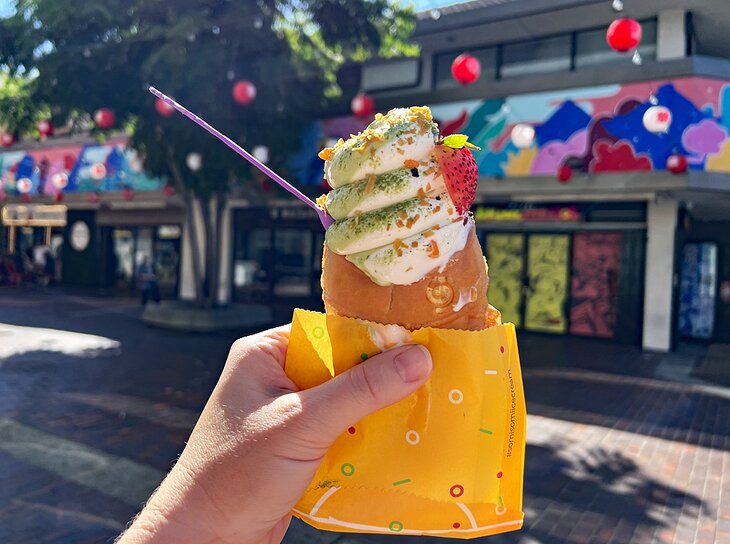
(446, 461)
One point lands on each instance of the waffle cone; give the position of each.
(453, 298)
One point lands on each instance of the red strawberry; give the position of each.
(460, 175)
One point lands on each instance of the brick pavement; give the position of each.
(616, 453)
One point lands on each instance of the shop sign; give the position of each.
(293, 213)
(80, 236)
(551, 214)
(34, 215)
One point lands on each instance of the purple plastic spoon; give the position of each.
(323, 217)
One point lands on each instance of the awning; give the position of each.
(34, 215)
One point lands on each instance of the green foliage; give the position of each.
(71, 58)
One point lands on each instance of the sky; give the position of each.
(4, 8)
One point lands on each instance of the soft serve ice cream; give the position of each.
(400, 199)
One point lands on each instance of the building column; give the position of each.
(661, 221)
(672, 36)
(225, 257)
(187, 277)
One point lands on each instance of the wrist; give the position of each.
(176, 513)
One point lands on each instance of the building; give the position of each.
(96, 209)
(624, 250)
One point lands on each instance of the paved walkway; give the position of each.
(623, 446)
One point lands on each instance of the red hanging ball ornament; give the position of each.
(25, 197)
(362, 105)
(128, 193)
(93, 198)
(169, 190)
(677, 164)
(466, 69)
(565, 173)
(624, 35)
(7, 139)
(45, 127)
(58, 197)
(104, 118)
(163, 108)
(244, 92)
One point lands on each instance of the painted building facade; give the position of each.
(624, 250)
(96, 209)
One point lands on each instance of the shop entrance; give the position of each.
(130, 246)
(32, 239)
(697, 290)
(529, 279)
(585, 283)
(277, 257)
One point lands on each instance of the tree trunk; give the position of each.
(220, 199)
(209, 298)
(190, 222)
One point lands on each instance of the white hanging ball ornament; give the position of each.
(97, 171)
(617, 5)
(261, 153)
(59, 180)
(657, 119)
(24, 185)
(523, 135)
(194, 161)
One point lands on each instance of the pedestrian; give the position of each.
(260, 439)
(147, 280)
(49, 271)
(28, 261)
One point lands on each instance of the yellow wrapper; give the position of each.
(446, 461)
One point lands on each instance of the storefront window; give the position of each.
(251, 255)
(536, 57)
(167, 258)
(444, 80)
(697, 289)
(144, 245)
(131, 245)
(123, 253)
(292, 263)
(591, 48)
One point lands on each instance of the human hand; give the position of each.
(259, 441)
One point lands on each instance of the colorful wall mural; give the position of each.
(597, 129)
(103, 167)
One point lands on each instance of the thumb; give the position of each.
(378, 382)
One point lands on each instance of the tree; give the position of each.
(76, 57)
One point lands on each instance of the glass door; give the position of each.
(697, 287)
(506, 259)
(594, 285)
(547, 282)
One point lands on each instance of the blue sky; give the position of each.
(4, 8)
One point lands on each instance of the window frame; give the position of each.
(499, 55)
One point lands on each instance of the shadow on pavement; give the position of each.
(601, 497)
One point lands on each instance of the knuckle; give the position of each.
(361, 386)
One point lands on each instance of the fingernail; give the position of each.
(413, 364)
